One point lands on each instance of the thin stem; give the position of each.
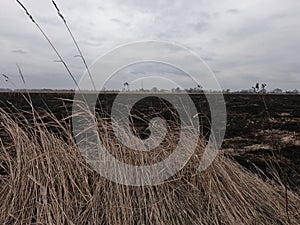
(76, 44)
(49, 41)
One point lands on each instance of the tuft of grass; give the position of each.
(45, 180)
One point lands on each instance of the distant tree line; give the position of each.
(258, 88)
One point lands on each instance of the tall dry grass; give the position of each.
(44, 180)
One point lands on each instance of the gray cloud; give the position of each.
(232, 11)
(116, 20)
(19, 51)
(244, 41)
(201, 26)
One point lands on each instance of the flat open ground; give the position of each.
(252, 137)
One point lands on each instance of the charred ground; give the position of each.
(258, 137)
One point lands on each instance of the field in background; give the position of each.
(250, 133)
(251, 136)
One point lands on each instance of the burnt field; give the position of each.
(45, 177)
(258, 136)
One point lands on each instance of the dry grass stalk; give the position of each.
(44, 180)
(50, 42)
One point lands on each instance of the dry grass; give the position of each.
(44, 180)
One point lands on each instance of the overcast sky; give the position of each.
(243, 42)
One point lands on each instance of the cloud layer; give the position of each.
(243, 42)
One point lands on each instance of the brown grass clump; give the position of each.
(44, 180)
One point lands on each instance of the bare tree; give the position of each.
(263, 87)
(126, 84)
(256, 87)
